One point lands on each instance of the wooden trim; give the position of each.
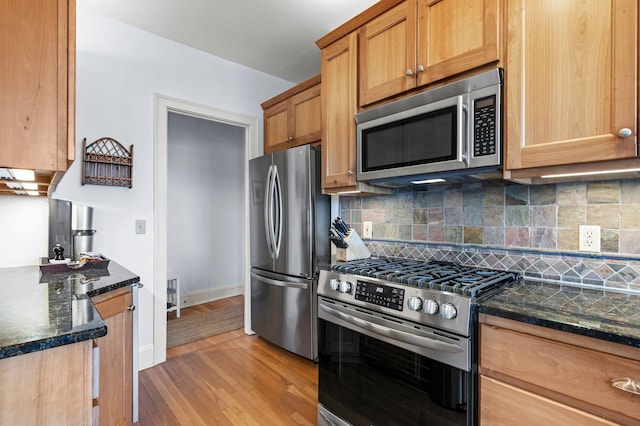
(293, 91)
(356, 22)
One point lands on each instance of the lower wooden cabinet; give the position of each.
(552, 377)
(48, 387)
(115, 392)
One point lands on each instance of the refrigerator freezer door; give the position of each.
(283, 311)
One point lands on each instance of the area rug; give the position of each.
(195, 327)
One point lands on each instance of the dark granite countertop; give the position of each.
(41, 311)
(606, 314)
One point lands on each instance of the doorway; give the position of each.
(204, 196)
(168, 109)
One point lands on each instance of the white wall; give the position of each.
(205, 202)
(24, 224)
(119, 69)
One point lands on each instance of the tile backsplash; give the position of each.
(531, 229)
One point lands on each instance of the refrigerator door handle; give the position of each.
(267, 212)
(278, 213)
(278, 282)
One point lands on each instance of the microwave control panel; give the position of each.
(485, 121)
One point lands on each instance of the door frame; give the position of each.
(163, 105)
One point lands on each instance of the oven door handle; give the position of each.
(397, 335)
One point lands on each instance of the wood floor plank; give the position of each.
(229, 379)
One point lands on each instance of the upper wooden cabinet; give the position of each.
(293, 117)
(37, 83)
(418, 42)
(339, 105)
(570, 86)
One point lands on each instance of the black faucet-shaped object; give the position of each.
(58, 251)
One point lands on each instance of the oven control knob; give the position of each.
(414, 303)
(345, 287)
(448, 311)
(430, 307)
(334, 284)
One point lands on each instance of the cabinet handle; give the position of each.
(625, 133)
(290, 139)
(131, 308)
(420, 68)
(409, 73)
(627, 385)
(350, 172)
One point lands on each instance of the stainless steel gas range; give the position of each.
(396, 341)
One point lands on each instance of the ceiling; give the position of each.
(276, 37)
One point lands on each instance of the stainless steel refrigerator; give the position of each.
(290, 220)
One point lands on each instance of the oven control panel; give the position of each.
(381, 295)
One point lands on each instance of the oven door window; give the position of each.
(427, 138)
(369, 382)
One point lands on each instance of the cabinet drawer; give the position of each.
(503, 404)
(581, 374)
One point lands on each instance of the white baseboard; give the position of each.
(203, 296)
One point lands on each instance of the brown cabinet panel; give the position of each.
(293, 117)
(387, 54)
(455, 36)
(419, 42)
(52, 386)
(116, 372)
(276, 127)
(339, 105)
(570, 83)
(503, 404)
(573, 372)
(37, 82)
(306, 116)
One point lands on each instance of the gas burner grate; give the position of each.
(442, 276)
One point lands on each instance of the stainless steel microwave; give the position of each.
(450, 132)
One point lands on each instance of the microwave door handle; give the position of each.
(462, 134)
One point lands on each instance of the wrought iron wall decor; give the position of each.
(107, 162)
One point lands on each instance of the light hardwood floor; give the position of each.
(229, 379)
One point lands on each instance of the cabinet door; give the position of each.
(115, 398)
(388, 53)
(277, 131)
(456, 36)
(37, 45)
(339, 105)
(51, 386)
(502, 404)
(306, 116)
(570, 82)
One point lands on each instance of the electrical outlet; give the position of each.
(367, 230)
(589, 239)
